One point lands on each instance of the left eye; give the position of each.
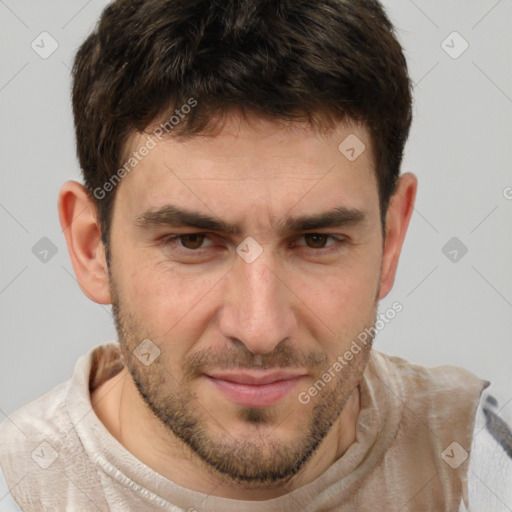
(318, 240)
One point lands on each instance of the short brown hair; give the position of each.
(319, 61)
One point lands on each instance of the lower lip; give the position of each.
(251, 395)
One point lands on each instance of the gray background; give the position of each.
(460, 148)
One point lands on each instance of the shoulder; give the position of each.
(28, 443)
(7, 503)
(490, 463)
(439, 382)
(438, 404)
(45, 415)
(42, 457)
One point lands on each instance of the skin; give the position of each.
(298, 306)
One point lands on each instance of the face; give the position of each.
(251, 260)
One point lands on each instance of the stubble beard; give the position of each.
(259, 459)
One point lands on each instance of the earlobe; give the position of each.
(80, 225)
(397, 221)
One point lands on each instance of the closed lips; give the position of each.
(255, 379)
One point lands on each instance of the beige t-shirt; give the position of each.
(413, 433)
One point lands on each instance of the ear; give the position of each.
(397, 220)
(81, 227)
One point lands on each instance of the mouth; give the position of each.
(255, 389)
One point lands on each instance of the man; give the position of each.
(244, 214)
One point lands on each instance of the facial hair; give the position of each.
(260, 458)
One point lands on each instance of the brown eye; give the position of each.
(192, 241)
(316, 240)
(321, 244)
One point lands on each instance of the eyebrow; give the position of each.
(173, 216)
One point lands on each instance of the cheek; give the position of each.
(346, 300)
(163, 297)
(343, 300)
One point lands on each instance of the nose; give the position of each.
(257, 305)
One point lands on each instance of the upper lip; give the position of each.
(256, 378)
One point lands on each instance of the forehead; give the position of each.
(258, 164)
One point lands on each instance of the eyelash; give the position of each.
(339, 241)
